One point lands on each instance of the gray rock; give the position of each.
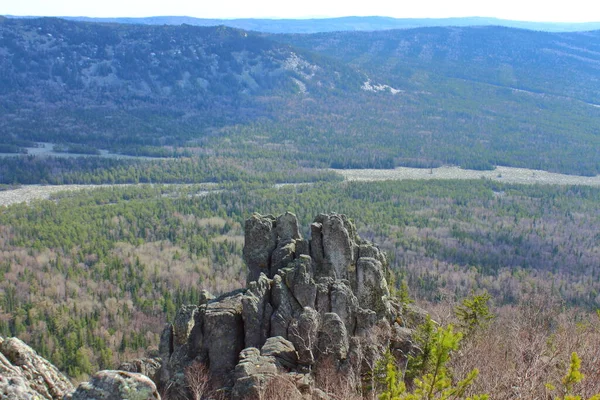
(365, 320)
(257, 311)
(195, 346)
(401, 341)
(260, 241)
(205, 297)
(24, 374)
(316, 247)
(323, 301)
(372, 290)
(329, 309)
(183, 323)
(282, 256)
(14, 386)
(298, 278)
(337, 246)
(287, 227)
(165, 349)
(303, 333)
(285, 308)
(282, 351)
(116, 385)
(252, 374)
(224, 332)
(344, 304)
(302, 248)
(333, 337)
(144, 366)
(369, 251)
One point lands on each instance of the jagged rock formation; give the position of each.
(309, 305)
(26, 375)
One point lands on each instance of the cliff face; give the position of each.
(309, 306)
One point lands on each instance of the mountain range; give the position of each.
(374, 23)
(475, 96)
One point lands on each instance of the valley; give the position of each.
(27, 193)
(134, 157)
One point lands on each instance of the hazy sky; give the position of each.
(529, 10)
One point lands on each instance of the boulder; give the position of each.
(24, 374)
(251, 374)
(282, 351)
(144, 366)
(116, 385)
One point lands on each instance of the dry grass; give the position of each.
(500, 174)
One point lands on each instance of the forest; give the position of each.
(89, 278)
(337, 99)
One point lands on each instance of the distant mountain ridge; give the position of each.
(469, 96)
(316, 25)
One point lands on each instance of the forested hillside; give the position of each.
(89, 279)
(473, 96)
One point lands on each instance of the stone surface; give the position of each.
(252, 374)
(144, 366)
(260, 241)
(298, 278)
(26, 375)
(371, 286)
(116, 385)
(287, 227)
(333, 337)
(224, 333)
(282, 351)
(183, 324)
(282, 256)
(303, 332)
(337, 247)
(285, 307)
(257, 311)
(344, 304)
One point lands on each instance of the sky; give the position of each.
(522, 10)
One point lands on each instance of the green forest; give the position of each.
(89, 278)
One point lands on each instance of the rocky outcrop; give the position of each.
(116, 385)
(307, 304)
(144, 366)
(26, 375)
